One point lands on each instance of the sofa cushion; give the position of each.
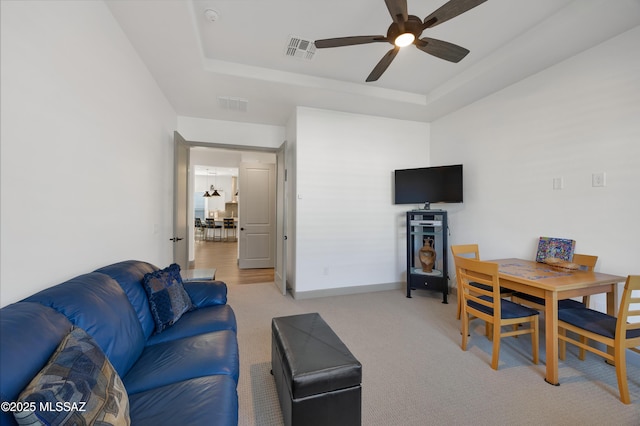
(210, 400)
(183, 359)
(206, 293)
(96, 303)
(168, 299)
(78, 386)
(30, 334)
(129, 275)
(202, 320)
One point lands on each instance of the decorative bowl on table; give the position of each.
(561, 265)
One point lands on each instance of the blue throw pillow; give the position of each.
(77, 386)
(168, 299)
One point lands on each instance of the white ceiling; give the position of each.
(242, 54)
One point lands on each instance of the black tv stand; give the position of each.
(428, 210)
(422, 226)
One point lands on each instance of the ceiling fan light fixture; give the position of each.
(404, 39)
(407, 29)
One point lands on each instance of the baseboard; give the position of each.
(343, 291)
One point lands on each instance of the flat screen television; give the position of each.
(442, 184)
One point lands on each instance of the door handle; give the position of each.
(175, 239)
(242, 229)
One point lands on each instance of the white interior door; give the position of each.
(257, 215)
(181, 201)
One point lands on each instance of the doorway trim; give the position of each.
(281, 207)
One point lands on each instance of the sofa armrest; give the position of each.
(206, 293)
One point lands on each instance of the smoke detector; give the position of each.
(211, 15)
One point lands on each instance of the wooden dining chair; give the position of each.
(470, 251)
(464, 250)
(488, 305)
(620, 333)
(587, 263)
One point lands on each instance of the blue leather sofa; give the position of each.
(184, 375)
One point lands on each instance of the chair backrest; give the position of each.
(228, 222)
(470, 251)
(587, 262)
(628, 323)
(198, 222)
(479, 272)
(466, 250)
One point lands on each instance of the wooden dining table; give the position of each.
(552, 284)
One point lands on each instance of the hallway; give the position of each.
(222, 255)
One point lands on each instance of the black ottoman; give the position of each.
(317, 378)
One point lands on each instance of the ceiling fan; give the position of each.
(406, 29)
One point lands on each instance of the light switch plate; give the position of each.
(599, 179)
(558, 183)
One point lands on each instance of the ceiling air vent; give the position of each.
(300, 48)
(233, 104)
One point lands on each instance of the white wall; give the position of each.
(87, 161)
(348, 232)
(86, 147)
(574, 119)
(230, 132)
(228, 158)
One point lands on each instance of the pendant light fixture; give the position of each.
(206, 193)
(215, 191)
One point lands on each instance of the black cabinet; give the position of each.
(428, 229)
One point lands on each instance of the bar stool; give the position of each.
(199, 229)
(228, 224)
(211, 224)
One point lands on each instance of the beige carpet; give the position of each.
(414, 372)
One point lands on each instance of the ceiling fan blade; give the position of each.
(383, 64)
(348, 41)
(442, 49)
(450, 10)
(398, 10)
